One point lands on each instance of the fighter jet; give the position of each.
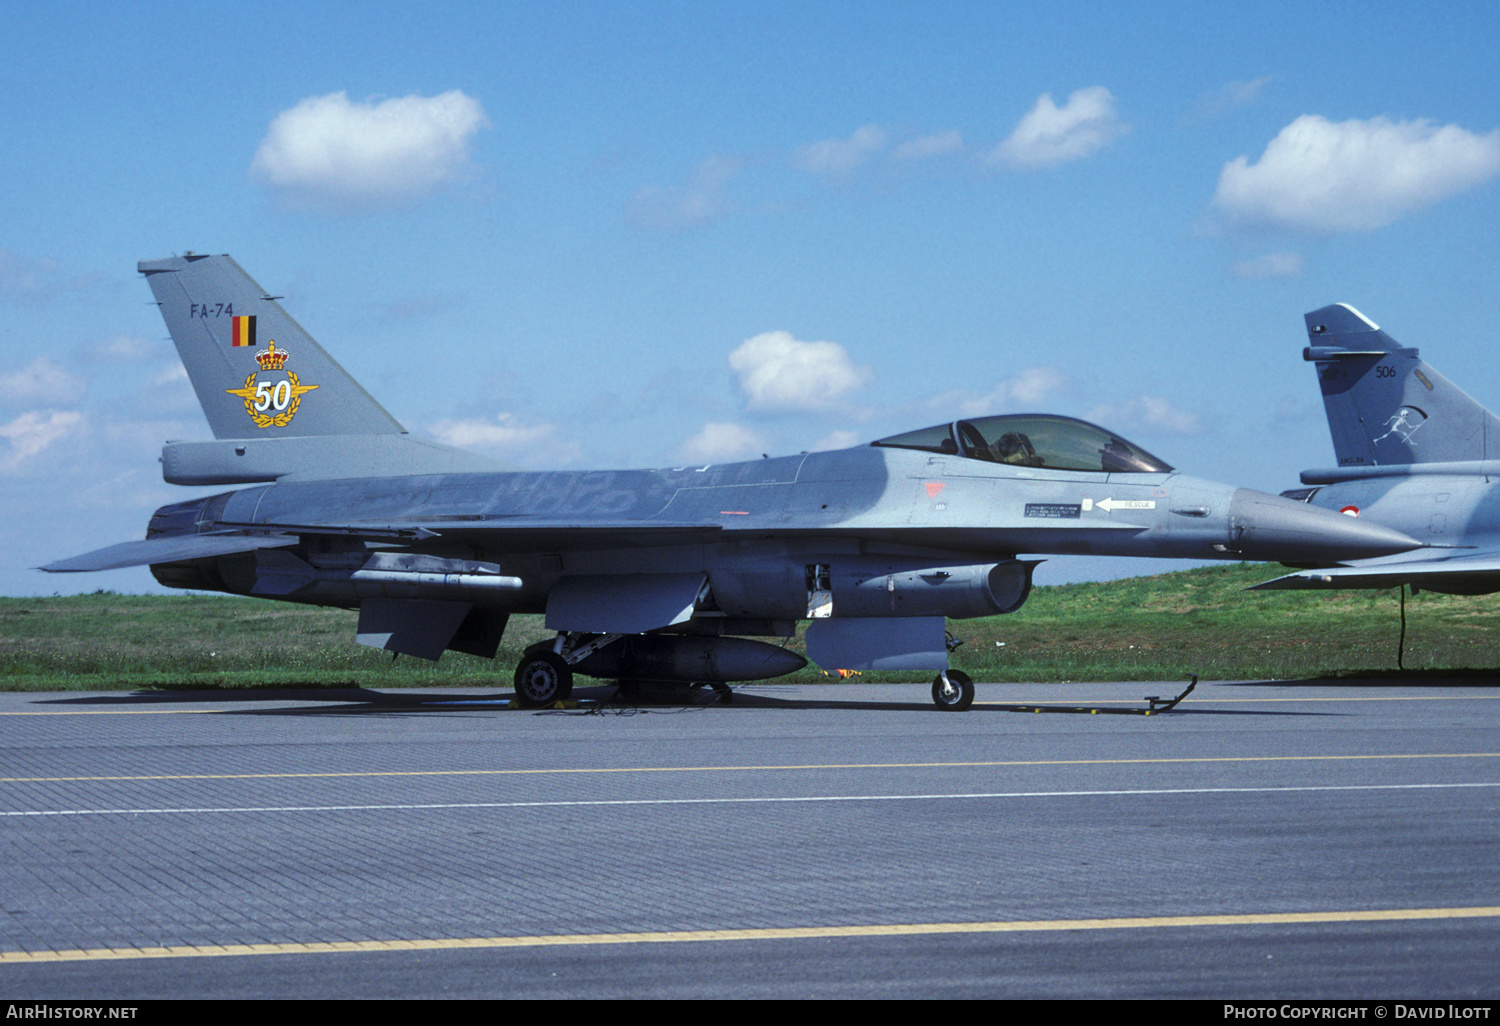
(1414, 453)
(659, 575)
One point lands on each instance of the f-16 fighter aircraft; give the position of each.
(660, 575)
(1414, 453)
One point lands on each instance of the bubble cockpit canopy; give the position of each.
(1033, 440)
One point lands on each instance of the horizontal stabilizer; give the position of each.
(1474, 574)
(313, 457)
(1458, 468)
(172, 549)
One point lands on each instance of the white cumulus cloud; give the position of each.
(31, 433)
(125, 349)
(701, 200)
(720, 442)
(332, 152)
(170, 374)
(1231, 96)
(43, 379)
(836, 440)
(1146, 412)
(935, 144)
(1270, 265)
(1031, 385)
(25, 279)
(506, 435)
(1050, 134)
(1324, 176)
(1026, 389)
(833, 158)
(777, 371)
(36, 282)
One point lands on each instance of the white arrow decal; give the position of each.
(1110, 505)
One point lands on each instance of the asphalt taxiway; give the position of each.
(1279, 840)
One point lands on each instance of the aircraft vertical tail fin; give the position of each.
(1385, 406)
(256, 372)
(279, 406)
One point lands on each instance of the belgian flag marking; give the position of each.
(242, 331)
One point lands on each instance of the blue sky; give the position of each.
(642, 234)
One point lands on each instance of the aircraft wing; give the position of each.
(1472, 573)
(517, 534)
(171, 549)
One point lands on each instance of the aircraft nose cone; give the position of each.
(1268, 527)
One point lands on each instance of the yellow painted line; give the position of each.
(786, 933)
(759, 769)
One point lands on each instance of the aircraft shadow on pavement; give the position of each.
(608, 699)
(604, 698)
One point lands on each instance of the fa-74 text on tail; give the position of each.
(665, 575)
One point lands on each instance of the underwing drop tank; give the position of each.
(687, 659)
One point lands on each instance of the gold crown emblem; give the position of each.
(271, 359)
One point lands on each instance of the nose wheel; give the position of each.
(953, 690)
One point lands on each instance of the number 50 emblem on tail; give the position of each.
(272, 404)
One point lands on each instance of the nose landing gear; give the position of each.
(953, 690)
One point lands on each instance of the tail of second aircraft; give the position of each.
(1385, 406)
(281, 406)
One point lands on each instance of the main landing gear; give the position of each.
(953, 690)
(545, 673)
(542, 678)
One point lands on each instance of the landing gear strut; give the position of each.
(953, 690)
(545, 673)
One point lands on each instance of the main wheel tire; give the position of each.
(542, 678)
(956, 693)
